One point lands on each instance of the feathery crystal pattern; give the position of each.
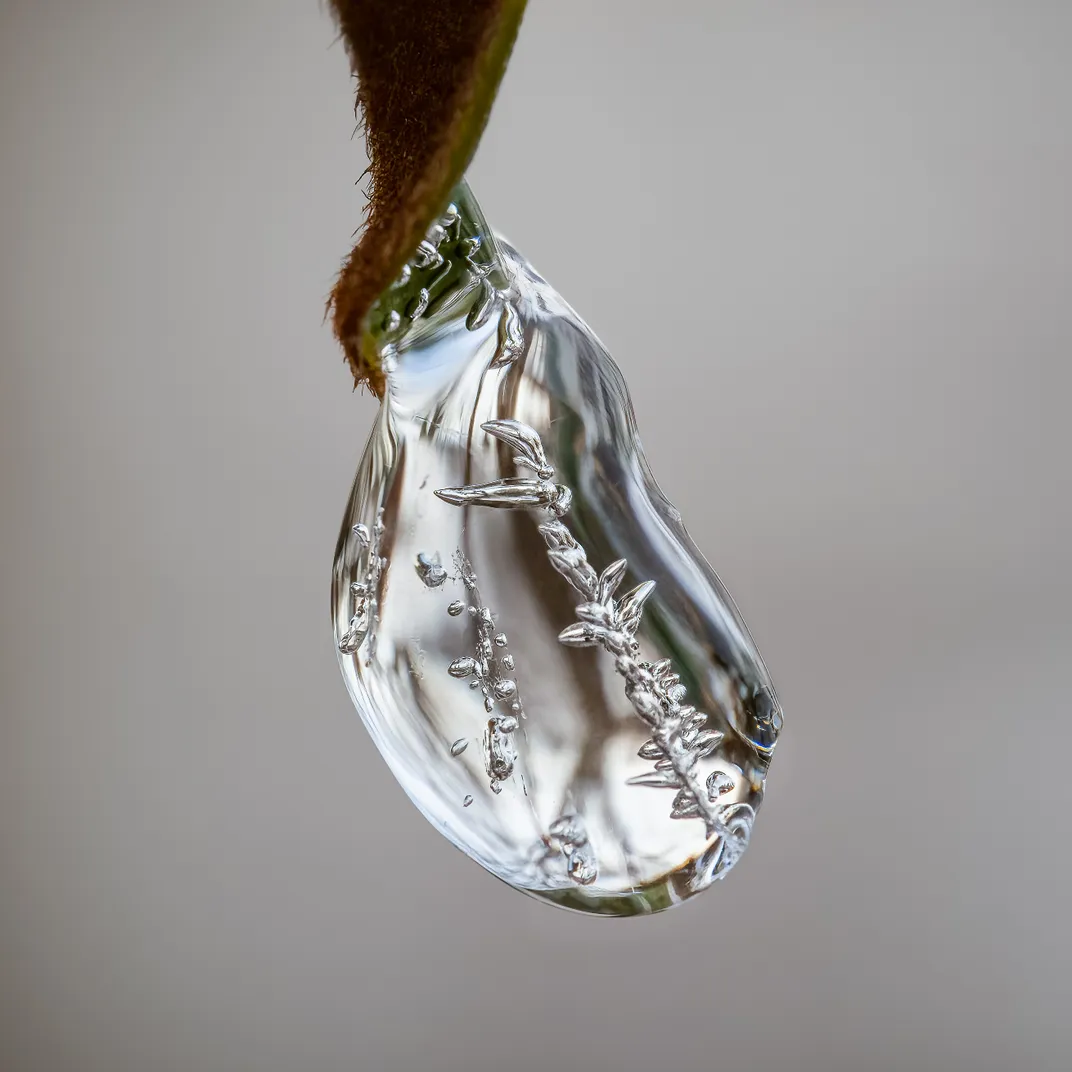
(679, 735)
(481, 357)
(488, 669)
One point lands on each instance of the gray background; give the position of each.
(829, 244)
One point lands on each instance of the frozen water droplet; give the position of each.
(468, 800)
(597, 659)
(459, 746)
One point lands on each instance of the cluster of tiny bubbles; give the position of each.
(485, 670)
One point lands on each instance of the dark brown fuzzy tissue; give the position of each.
(427, 72)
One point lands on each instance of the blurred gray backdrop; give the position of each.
(829, 244)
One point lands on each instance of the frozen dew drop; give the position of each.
(504, 525)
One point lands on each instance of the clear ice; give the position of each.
(509, 576)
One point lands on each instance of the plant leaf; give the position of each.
(427, 73)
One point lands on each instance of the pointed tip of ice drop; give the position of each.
(454, 496)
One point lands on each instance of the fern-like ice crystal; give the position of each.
(680, 737)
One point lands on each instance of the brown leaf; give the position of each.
(427, 74)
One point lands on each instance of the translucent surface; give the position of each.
(551, 669)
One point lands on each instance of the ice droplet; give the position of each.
(625, 718)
